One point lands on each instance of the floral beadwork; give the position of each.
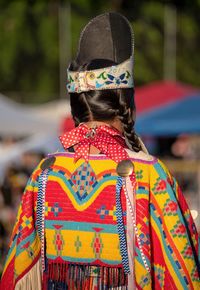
(118, 76)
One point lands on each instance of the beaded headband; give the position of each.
(113, 77)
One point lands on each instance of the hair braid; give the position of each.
(101, 105)
(125, 116)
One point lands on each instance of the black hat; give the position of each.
(107, 36)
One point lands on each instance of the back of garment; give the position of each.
(81, 226)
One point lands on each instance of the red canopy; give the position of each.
(163, 108)
(159, 94)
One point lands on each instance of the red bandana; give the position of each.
(108, 140)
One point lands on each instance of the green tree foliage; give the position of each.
(29, 49)
(29, 42)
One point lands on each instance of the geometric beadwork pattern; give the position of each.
(27, 221)
(30, 251)
(139, 174)
(159, 186)
(145, 281)
(58, 240)
(56, 209)
(83, 180)
(187, 252)
(170, 207)
(47, 208)
(160, 274)
(77, 244)
(27, 247)
(144, 239)
(97, 244)
(178, 230)
(195, 275)
(103, 212)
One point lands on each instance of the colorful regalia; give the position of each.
(116, 220)
(66, 234)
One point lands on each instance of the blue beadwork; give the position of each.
(120, 227)
(40, 203)
(40, 212)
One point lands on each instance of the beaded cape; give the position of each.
(81, 239)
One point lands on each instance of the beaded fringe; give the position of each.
(62, 276)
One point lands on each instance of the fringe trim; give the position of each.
(31, 280)
(64, 276)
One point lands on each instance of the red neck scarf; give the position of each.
(106, 139)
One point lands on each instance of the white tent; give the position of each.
(38, 124)
(54, 111)
(19, 120)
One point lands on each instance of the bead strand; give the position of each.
(134, 222)
(120, 227)
(44, 182)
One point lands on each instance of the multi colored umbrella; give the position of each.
(167, 108)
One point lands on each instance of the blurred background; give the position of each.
(37, 41)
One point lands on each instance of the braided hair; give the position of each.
(104, 105)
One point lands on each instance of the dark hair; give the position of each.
(102, 105)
